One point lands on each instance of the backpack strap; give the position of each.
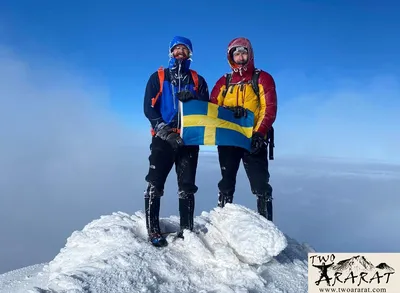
(161, 76)
(228, 78)
(195, 77)
(271, 143)
(254, 81)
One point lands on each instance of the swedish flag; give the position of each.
(205, 123)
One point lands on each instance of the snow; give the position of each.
(232, 250)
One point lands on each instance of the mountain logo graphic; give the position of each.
(355, 270)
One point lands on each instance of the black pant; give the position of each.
(162, 158)
(255, 165)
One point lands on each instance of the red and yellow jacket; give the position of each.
(240, 91)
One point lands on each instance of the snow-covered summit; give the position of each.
(233, 250)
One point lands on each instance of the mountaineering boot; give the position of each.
(157, 240)
(152, 209)
(264, 206)
(186, 211)
(224, 198)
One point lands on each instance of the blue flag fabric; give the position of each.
(205, 123)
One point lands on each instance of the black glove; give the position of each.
(239, 112)
(257, 143)
(185, 96)
(166, 133)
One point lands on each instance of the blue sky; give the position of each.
(329, 58)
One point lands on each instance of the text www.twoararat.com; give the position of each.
(353, 290)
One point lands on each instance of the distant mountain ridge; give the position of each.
(356, 263)
(385, 266)
(359, 264)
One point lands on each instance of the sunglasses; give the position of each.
(239, 50)
(179, 47)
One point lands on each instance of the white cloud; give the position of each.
(355, 120)
(61, 148)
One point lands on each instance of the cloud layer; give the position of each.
(353, 119)
(64, 157)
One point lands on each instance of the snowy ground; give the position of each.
(233, 250)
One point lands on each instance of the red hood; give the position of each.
(249, 66)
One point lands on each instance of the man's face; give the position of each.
(180, 52)
(240, 56)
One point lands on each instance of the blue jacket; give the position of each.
(166, 109)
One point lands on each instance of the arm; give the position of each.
(203, 93)
(216, 93)
(152, 88)
(268, 103)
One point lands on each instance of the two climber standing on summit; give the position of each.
(246, 88)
